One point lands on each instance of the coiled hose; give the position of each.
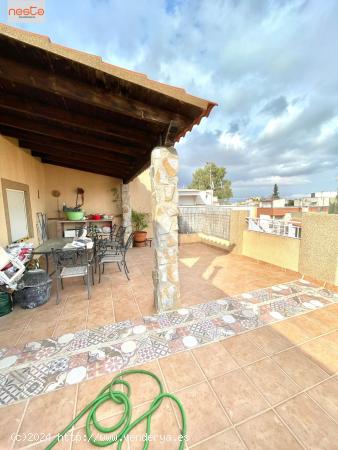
(124, 424)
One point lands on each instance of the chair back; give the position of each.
(113, 230)
(129, 241)
(70, 258)
(120, 234)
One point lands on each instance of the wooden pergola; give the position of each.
(71, 109)
(68, 106)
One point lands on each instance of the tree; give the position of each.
(212, 177)
(275, 194)
(333, 207)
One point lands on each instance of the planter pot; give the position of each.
(74, 215)
(140, 238)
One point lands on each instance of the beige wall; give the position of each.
(102, 193)
(237, 226)
(140, 196)
(99, 196)
(18, 165)
(319, 247)
(278, 250)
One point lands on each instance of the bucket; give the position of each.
(74, 215)
(5, 303)
(33, 289)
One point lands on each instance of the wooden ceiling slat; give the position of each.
(58, 144)
(78, 90)
(79, 153)
(82, 160)
(36, 109)
(38, 127)
(76, 157)
(64, 162)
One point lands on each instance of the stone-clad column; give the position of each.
(126, 211)
(163, 173)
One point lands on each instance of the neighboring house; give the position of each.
(193, 197)
(316, 199)
(272, 202)
(284, 213)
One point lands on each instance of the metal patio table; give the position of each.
(46, 248)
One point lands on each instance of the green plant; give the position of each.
(71, 209)
(139, 220)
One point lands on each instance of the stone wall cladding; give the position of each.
(126, 210)
(164, 167)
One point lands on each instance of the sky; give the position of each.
(270, 65)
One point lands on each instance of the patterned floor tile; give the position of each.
(49, 364)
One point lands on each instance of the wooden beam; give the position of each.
(78, 153)
(76, 158)
(44, 80)
(170, 135)
(36, 109)
(142, 164)
(59, 144)
(63, 162)
(21, 123)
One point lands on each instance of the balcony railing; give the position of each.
(277, 227)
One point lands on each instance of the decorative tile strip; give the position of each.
(47, 365)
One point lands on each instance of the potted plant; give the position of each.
(140, 222)
(75, 213)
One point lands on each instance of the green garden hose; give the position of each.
(124, 424)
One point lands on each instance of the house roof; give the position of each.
(67, 106)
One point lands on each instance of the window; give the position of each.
(17, 210)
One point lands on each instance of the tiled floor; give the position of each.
(206, 274)
(268, 397)
(273, 386)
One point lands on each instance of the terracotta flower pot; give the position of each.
(140, 238)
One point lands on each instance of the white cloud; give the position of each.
(231, 141)
(270, 181)
(246, 55)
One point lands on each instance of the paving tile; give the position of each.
(266, 432)
(310, 424)
(326, 394)
(214, 359)
(205, 415)
(143, 387)
(64, 443)
(291, 330)
(227, 440)
(9, 338)
(311, 327)
(180, 370)
(165, 431)
(88, 391)
(269, 340)
(238, 396)
(275, 385)
(302, 369)
(10, 418)
(80, 440)
(242, 349)
(36, 334)
(49, 413)
(323, 354)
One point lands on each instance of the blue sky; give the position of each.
(271, 65)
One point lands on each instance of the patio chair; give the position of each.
(117, 237)
(115, 255)
(72, 264)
